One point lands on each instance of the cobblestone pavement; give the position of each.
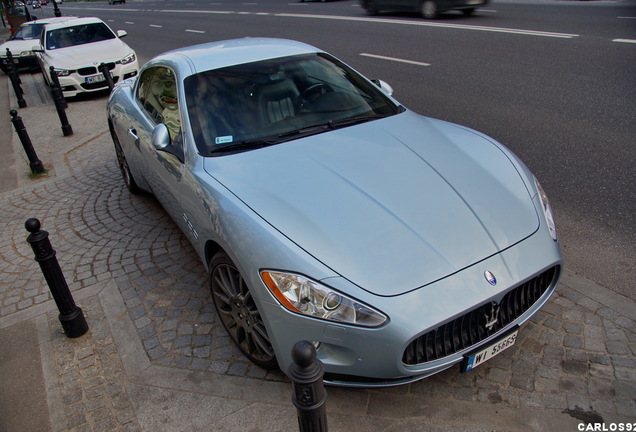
(156, 358)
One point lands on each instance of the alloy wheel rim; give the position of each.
(239, 313)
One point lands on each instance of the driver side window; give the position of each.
(157, 94)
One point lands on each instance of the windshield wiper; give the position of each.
(249, 144)
(335, 124)
(326, 126)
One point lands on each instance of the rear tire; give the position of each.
(129, 180)
(371, 7)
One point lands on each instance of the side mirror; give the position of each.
(162, 142)
(121, 33)
(161, 137)
(386, 88)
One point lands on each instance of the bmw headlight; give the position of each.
(308, 297)
(63, 72)
(128, 59)
(547, 210)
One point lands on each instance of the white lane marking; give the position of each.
(195, 31)
(433, 24)
(376, 20)
(156, 26)
(128, 22)
(624, 40)
(413, 62)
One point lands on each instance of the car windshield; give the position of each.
(252, 105)
(78, 35)
(31, 31)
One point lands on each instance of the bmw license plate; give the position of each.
(471, 361)
(94, 79)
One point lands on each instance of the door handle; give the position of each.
(133, 133)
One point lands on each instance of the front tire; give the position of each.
(238, 312)
(429, 9)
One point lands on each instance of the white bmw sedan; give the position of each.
(20, 44)
(77, 48)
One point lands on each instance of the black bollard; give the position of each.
(34, 162)
(56, 10)
(56, 80)
(58, 99)
(15, 81)
(103, 68)
(71, 316)
(309, 395)
(11, 65)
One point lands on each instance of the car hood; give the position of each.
(91, 53)
(17, 46)
(391, 205)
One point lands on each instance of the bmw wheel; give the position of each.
(429, 9)
(238, 312)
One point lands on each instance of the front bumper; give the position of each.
(23, 62)
(90, 79)
(377, 357)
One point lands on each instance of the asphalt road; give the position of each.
(554, 81)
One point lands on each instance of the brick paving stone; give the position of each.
(575, 352)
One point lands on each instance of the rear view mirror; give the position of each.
(386, 88)
(121, 33)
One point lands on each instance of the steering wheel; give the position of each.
(310, 94)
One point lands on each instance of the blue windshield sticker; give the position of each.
(223, 139)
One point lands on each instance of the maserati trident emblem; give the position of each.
(492, 280)
(492, 317)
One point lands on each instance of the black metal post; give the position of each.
(56, 10)
(309, 395)
(56, 80)
(103, 68)
(11, 65)
(15, 80)
(71, 316)
(36, 164)
(58, 99)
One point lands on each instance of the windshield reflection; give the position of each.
(263, 103)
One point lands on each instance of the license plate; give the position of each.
(94, 79)
(473, 360)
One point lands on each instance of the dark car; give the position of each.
(429, 9)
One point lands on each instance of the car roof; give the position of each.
(48, 20)
(75, 21)
(215, 55)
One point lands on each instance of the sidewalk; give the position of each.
(156, 359)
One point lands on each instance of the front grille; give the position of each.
(87, 71)
(476, 325)
(91, 70)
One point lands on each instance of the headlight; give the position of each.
(128, 59)
(63, 72)
(547, 210)
(305, 296)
